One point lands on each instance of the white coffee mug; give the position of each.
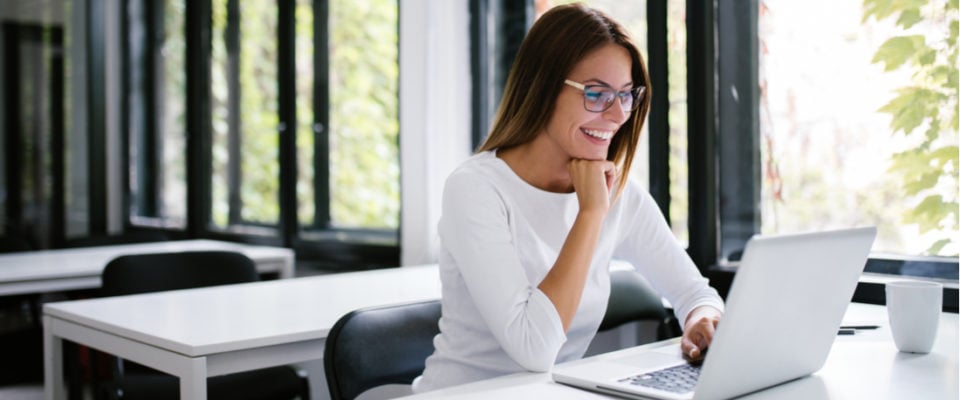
(914, 311)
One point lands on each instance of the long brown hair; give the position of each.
(562, 37)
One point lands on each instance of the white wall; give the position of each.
(434, 115)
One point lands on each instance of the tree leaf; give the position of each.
(909, 108)
(881, 9)
(897, 50)
(908, 18)
(928, 214)
(926, 181)
(937, 246)
(927, 56)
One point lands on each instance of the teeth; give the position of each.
(605, 135)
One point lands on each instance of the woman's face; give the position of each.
(576, 132)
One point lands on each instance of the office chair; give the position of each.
(144, 273)
(377, 346)
(632, 299)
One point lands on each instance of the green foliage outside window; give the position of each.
(926, 111)
(364, 121)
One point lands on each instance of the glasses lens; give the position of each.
(626, 100)
(598, 98)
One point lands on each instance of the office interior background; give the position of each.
(330, 126)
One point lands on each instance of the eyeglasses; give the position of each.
(599, 98)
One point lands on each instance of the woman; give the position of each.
(530, 223)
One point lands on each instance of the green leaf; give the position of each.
(911, 106)
(937, 246)
(927, 57)
(897, 50)
(908, 18)
(926, 181)
(881, 9)
(928, 214)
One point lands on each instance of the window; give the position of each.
(357, 186)
(244, 109)
(858, 121)
(853, 123)
(156, 104)
(293, 124)
(45, 79)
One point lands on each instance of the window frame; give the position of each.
(320, 245)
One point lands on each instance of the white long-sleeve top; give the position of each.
(500, 236)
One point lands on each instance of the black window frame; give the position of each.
(319, 245)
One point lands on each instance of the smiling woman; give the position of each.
(530, 224)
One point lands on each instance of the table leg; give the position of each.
(53, 385)
(193, 383)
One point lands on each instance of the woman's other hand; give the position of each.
(698, 332)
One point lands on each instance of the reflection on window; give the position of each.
(364, 123)
(157, 113)
(244, 104)
(35, 122)
(859, 120)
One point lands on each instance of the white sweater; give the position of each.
(500, 236)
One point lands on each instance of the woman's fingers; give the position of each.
(592, 180)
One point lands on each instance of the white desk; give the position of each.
(211, 331)
(80, 268)
(863, 366)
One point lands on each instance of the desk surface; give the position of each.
(862, 366)
(199, 322)
(80, 268)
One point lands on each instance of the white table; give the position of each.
(866, 365)
(197, 333)
(80, 268)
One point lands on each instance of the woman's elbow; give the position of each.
(536, 362)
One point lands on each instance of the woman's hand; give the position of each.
(698, 332)
(593, 181)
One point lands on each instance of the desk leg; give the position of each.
(53, 386)
(193, 384)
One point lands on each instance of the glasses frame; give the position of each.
(636, 94)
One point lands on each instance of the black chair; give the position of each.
(146, 273)
(378, 346)
(632, 299)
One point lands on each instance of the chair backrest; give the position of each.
(631, 299)
(377, 346)
(144, 273)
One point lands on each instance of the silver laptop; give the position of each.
(782, 314)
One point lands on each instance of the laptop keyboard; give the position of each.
(679, 379)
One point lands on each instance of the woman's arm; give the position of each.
(564, 284)
(477, 230)
(650, 246)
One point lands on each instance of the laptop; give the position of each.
(782, 315)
